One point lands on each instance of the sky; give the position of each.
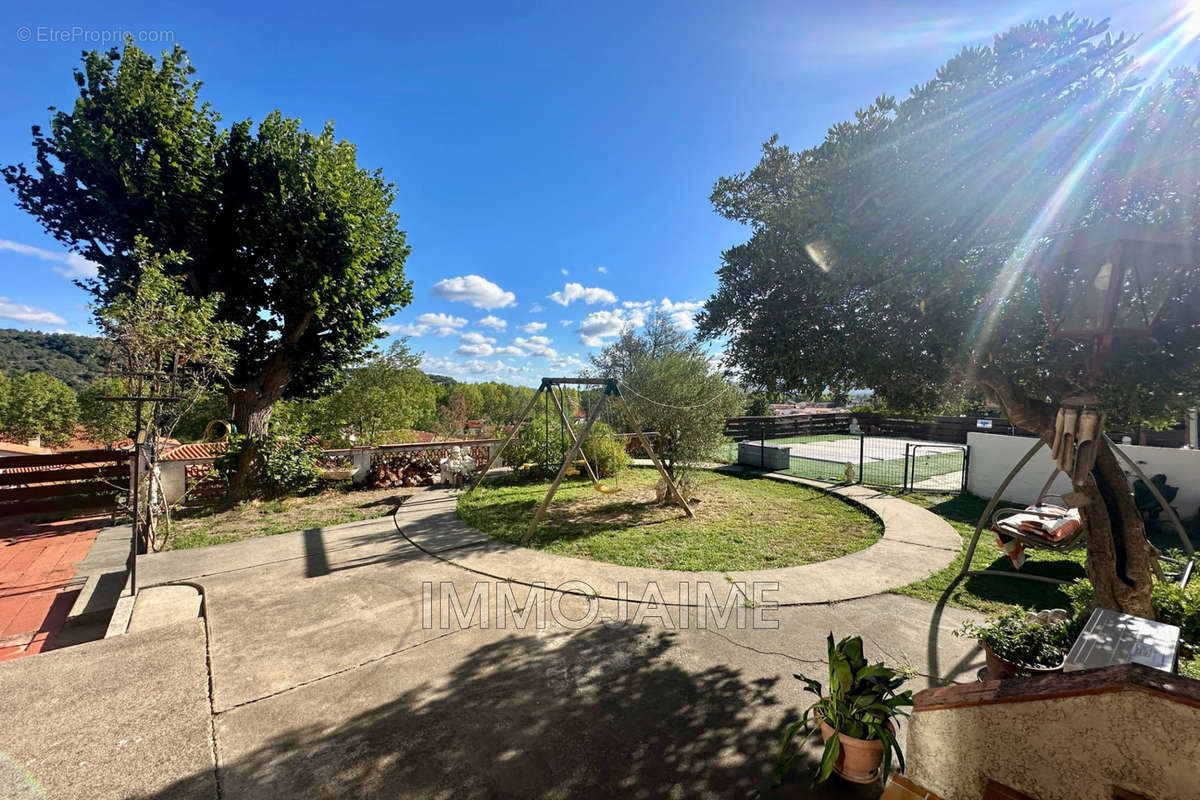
(553, 160)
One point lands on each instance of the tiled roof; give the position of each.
(194, 451)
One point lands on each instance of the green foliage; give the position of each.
(150, 325)
(209, 406)
(385, 394)
(37, 404)
(300, 242)
(539, 443)
(1146, 502)
(104, 420)
(71, 358)
(605, 452)
(1016, 636)
(282, 465)
(672, 389)
(861, 703)
(894, 256)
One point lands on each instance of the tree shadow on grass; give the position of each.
(600, 712)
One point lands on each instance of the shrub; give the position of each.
(537, 443)
(604, 451)
(1022, 638)
(282, 464)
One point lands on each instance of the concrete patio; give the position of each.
(314, 673)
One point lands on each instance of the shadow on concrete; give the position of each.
(600, 712)
(316, 562)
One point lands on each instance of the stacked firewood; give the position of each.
(402, 470)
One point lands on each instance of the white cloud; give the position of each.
(566, 323)
(601, 325)
(473, 289)
(71, 265)
(564, 272)
(536, 308)
(536, 346)
(577, 291)
(439, 324)
(472, 337)
(683, 314)
(493, 322)
(29, 314)
(643, 304)
(533, 327)
(475, 368)
(602, 270)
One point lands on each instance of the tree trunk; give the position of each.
(251, 412)
(1118, 555)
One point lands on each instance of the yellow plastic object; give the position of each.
(605, 489)
(529, 465)
(207, 435)
(572, 472)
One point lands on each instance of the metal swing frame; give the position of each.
(612, 393)
(986, 516)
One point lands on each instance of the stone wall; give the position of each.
(1066, 737)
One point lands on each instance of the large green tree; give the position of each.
(898, 254)
(672, 389)
(38, 405)
(387, 393)
(299, 241)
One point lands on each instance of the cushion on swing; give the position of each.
(1050, 522)
(604, 489)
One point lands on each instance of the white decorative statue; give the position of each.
(457, 467)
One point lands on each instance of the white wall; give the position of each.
(992, 456)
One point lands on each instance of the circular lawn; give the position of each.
(742, 522)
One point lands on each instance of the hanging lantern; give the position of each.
(1110, 281)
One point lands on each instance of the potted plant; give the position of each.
(856, 718)
(1017, 643)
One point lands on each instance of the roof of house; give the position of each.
(194, 452)
(12, 448)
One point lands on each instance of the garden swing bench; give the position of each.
(574, 457)
(1037, 526)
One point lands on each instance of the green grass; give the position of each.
(993, 594)
(217, 525)
(742, 522)
(990, 594)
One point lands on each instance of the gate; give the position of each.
(830, 449)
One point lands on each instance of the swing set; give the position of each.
(553, 390)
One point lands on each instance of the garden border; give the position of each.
(915, 544)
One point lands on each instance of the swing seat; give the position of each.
(604, 488)
(528, 465)
(571, 473)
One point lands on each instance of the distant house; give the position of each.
(33, 448)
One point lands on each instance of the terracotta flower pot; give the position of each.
(999, 667)
(860, 760)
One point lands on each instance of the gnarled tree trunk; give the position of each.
(1118, 555)
(250, 407)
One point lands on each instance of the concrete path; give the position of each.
(333, 663)
(37, 586)
(915, 544)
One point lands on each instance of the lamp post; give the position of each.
(1110, 281)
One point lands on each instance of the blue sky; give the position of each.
(554, 161)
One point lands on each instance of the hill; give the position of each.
(71, 358)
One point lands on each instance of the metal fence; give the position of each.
(830, 450)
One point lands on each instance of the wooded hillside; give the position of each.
(71, 358)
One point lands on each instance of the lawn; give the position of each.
(742, 522)
(990, 594)
(216, 525)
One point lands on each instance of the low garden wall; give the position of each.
(992, 456)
